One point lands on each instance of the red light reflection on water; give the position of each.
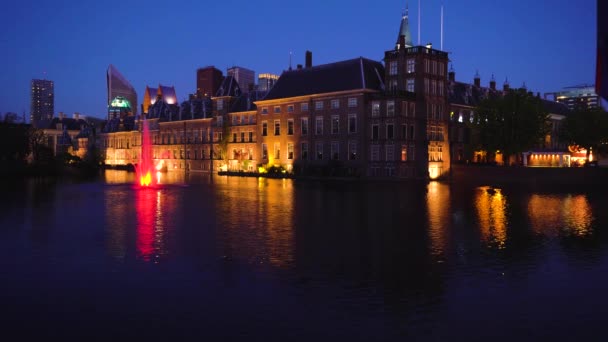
(146, 205)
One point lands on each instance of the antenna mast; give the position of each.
(418, 22)
(441, 26)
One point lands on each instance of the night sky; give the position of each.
(546, 44)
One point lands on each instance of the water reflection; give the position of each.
(438, 207)
(552, 215)
(491, 207)
(150, 227)
(256, 216)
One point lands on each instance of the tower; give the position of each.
(423, 71)
(42, 99)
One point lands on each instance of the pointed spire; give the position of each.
(404, 29)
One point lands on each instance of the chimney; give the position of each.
(308, 59)
(477, 80)
(492, 83)
(76, 115)
(299, 67)
(452, 74)
(505, 86)
(61, 115)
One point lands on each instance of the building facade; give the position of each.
(349, 118)
(122, 97)
(582, 96)
(42, 100)
(208, 81)
(244, 77)
(266, 81)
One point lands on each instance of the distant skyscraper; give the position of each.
(42, 100)
(208, 80)
(122, 98)
(582, 96)
(244, 77)
(266, 81)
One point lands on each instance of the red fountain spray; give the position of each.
(145, 167)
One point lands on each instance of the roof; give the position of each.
(168, 93)
(404, 29)
(67, 123)
(466, 94)
(352, 74)
(246, 102)
(229, 87)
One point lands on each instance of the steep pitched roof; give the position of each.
(404, 29)
(229, 87)
(358, 73)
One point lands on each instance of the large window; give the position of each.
(289, 151)
(304, 151)
(390, 108)
(352, 150)
(304, 107)
(375, 108)
(277, 109)
(264, 128)
(409, 85)
(277, 127)
(319, 125)
(375, 153)
(319, 150)
(352, 123)
(264, 152)
(411, 65)
(318, 105)
(390, 152)
(335, 150)
(390, 131)
(335, 104)
(375, 132)
(304, 126)
(335, 124)
(352, 102)
(277, 151)
(290, 127)
(392, 68)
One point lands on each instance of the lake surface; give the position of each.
(220, 258)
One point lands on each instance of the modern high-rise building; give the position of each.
(244, 77)
(122, 98)
(266, 81)
(582, 96)
(42, 100)
(208, 80)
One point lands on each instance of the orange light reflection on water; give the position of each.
(438, 206)
(491, 206)
(552, 215)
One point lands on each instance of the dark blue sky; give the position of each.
(547, 44)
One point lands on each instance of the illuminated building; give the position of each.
(582, 96)
(464, 97)
(42, 100)
(166, 94)
(65, 135)
(208, 80)
(266, 81)
(244, 77)
(122, 98)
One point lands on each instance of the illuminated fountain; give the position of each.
(145, 167)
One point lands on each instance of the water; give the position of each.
(267, 259)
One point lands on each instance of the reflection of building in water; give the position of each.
(117, 219)
(438, 206)
(491, 207)
(270, 207)
(548, 214)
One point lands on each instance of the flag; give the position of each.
(601, 71)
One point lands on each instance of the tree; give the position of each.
(512, 123)
(586, 128)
